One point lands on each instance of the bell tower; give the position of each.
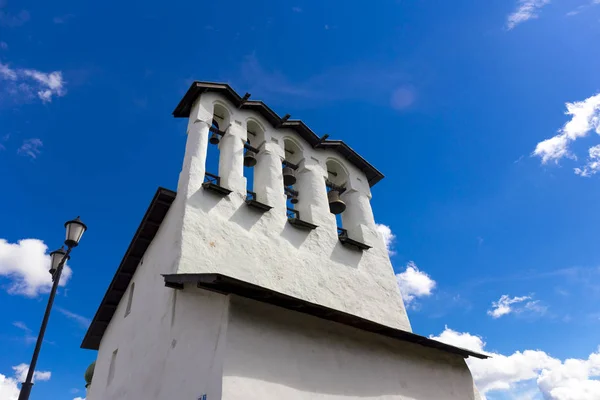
(282, 232)
(263, 277)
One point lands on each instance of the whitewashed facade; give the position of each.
(186, 342)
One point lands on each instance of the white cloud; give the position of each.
(572, 379)
(27, 83)
(593, 164)
(554, 148)
(526, 10)
(79, 398)
(9, 386)
(31, 148)
(504, 305)
(585, 117)
(388, 237)
(517, 305)
(414, 283)
(21, 371)
(26, 265)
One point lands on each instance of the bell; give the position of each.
(336, 205)
(293, 198)
(214, 138)
(289, 178)
(249, 159)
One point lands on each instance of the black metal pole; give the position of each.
(27, 385)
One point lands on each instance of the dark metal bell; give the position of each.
(249, 159)
(336, 205)
(289, 177)
(294, 199)
(214, 138)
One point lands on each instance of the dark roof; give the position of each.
(141, 240)
(227, 285)
(197, 88)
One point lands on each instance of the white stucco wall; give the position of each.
(163, 348)
(277, 354)
(224, 235)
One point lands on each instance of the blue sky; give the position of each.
(482, 115)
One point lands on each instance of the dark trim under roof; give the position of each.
(197, 88)
(227, 285)
(163, 198)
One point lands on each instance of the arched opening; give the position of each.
(255, 140)
(293, 157)
(220, 124)
(337, 179)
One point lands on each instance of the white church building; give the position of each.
(232, 292)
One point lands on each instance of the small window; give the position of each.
(130, 299)
(111, 368)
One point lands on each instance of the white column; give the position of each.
(358, 217)
(231, 159)
(312, 195)
(268, 177)
(196, 146)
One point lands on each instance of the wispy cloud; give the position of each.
(3, 140)
(585, 117)
(23, 84)
(9, 20)
(385, 85)
(516, 305)
(3, 45)
(582, 7)
(31, 148)
(82, 321)
(593, 163)
(28, 336)
(526, 10)
(296, 9)
(62, 19)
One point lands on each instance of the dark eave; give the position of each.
(227, 285)
(163, 198)
(197, 88)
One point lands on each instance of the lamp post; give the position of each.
(75, 229)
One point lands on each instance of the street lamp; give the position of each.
(75, 229)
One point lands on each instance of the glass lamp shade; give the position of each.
(75, 229)
(56, 257)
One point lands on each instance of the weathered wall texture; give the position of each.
(224, 235)
(170, 341)
(276, 354)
